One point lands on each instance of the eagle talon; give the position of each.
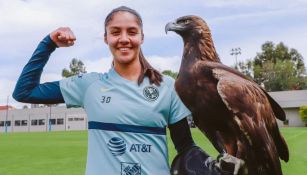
(229, 163)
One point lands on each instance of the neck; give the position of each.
(130, 71)
(200, 47)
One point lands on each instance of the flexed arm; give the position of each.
(28, 88)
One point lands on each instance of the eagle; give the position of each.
(237, 115)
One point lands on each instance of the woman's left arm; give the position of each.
(190, 158)
(181, 135)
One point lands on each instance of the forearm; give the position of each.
(181, 135)
(27, 88)
(191, 159)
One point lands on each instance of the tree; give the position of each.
(170, 73)
(280, 76)
(76, 67)
(276, 68)
(245, 68)
(303, 114)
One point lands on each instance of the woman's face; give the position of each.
(124, 37)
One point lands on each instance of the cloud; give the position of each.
(99, 65)
(6, 89)
(165, 63)
(250, 46)
(260, 15)
(252, 3)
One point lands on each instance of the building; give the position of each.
(291, 101)
(6, 107)
(43, 119)
(63, 119)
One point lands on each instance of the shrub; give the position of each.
(303, 113)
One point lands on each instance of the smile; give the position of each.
(124, 49)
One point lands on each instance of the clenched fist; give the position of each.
(63, 37)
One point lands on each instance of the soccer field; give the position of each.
(64, 153)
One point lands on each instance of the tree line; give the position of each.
(276, 68)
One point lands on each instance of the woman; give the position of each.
(128, 108)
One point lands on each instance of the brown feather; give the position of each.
(236, 114)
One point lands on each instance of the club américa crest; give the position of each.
(151, 93)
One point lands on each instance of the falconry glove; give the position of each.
(194, 161)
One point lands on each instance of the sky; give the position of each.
(234, 23)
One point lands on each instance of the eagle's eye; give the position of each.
(183, 21)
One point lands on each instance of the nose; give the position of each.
(124, 38)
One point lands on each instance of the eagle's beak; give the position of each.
(171, 26)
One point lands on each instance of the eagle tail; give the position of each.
(262, 156)
(270, 160)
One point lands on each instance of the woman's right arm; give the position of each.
(28, 88)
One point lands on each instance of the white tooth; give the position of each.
(123, 49)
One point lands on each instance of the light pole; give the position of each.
(7, 112)
(236, 52)
(49, 122)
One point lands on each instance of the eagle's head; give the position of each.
(188, 26)
(196, 35)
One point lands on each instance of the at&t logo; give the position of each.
(117, 146)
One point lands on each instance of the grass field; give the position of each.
(64, 153)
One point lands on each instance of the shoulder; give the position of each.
(86, 77)
(168, 81)
(83, 79)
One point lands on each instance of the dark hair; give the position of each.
(154, 76)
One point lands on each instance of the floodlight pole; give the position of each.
(7, 112)
(236, 52)
(50, 118)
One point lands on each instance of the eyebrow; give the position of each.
(119, 28)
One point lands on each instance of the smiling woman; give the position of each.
(127, 127)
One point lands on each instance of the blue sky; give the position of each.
(234, 23)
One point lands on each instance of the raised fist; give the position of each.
(63, 37)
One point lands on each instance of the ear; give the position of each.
(142, 37)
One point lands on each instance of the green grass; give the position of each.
(48, 153)
(64, 153)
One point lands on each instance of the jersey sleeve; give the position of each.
(178, 110)
(74, 88)
(28, 88)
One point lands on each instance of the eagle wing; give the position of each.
(278, 111)
(253, 115)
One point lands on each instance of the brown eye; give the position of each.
(132, 33)
(115, 33)
(184, 21)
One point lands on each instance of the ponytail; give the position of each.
(153, 75)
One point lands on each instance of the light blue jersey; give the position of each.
(127, 122)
